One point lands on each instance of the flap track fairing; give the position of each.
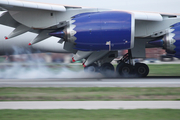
(18, 31)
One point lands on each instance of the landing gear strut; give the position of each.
(126, 67)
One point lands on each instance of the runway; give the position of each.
(91, 105)
(84, 82)
(99, 82)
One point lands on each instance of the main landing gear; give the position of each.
(125, 68)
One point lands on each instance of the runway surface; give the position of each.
(99, 82)
(91, 105)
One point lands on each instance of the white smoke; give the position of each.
(19, 72)
(34, 68)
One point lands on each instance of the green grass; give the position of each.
(86, 94)
(140, 114)
(164, 70)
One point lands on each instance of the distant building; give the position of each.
(151, 52)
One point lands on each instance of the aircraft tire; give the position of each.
(124, 69)
(91, 68)
(141, 70)
(107, 69)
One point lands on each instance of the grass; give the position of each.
(87, 94)
(140, 114)
(164, 70)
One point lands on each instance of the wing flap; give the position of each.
(11, 4)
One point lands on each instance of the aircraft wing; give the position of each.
(34, 16)
(21, 5)
(43, 18)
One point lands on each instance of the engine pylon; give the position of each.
(43, 35)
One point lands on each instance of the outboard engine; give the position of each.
(170, 41)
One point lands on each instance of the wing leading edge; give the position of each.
(14, 4)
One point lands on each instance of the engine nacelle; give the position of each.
(111, 30)
(172, 40)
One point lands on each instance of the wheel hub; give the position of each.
(141, 70)
(91, 69)
(126, 70)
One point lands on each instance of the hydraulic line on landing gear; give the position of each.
(127, 57)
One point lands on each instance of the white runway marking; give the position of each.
(90, 82)
(91, 105)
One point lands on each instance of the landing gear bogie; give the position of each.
(126, 68)
(140, 70)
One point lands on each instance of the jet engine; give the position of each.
(170, 41)
(111, 30)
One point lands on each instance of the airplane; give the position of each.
(93, 34)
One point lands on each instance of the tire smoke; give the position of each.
(34, 68)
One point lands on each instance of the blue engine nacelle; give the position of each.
(171, 41)
(111, 30)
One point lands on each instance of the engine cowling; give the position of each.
(111, 30)
(172, 40)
